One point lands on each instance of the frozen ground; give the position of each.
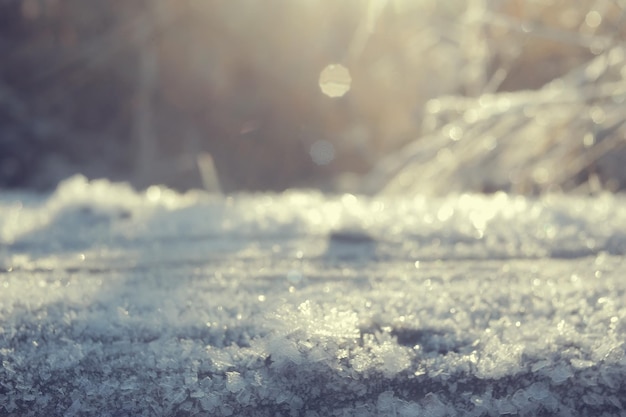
(114, 303)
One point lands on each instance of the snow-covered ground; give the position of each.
(115, 303)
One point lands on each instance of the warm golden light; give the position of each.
(244, 95)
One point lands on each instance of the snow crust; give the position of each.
(117, 303)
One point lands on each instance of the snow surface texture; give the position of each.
(115, 303)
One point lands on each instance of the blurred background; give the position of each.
(525, 96)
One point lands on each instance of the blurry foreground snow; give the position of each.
(115, 303)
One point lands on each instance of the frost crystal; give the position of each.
(197, 305)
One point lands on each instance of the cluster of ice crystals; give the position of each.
(158, 304)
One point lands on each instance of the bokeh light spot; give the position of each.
(593, 19)
(322, 152)
(335, 80)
